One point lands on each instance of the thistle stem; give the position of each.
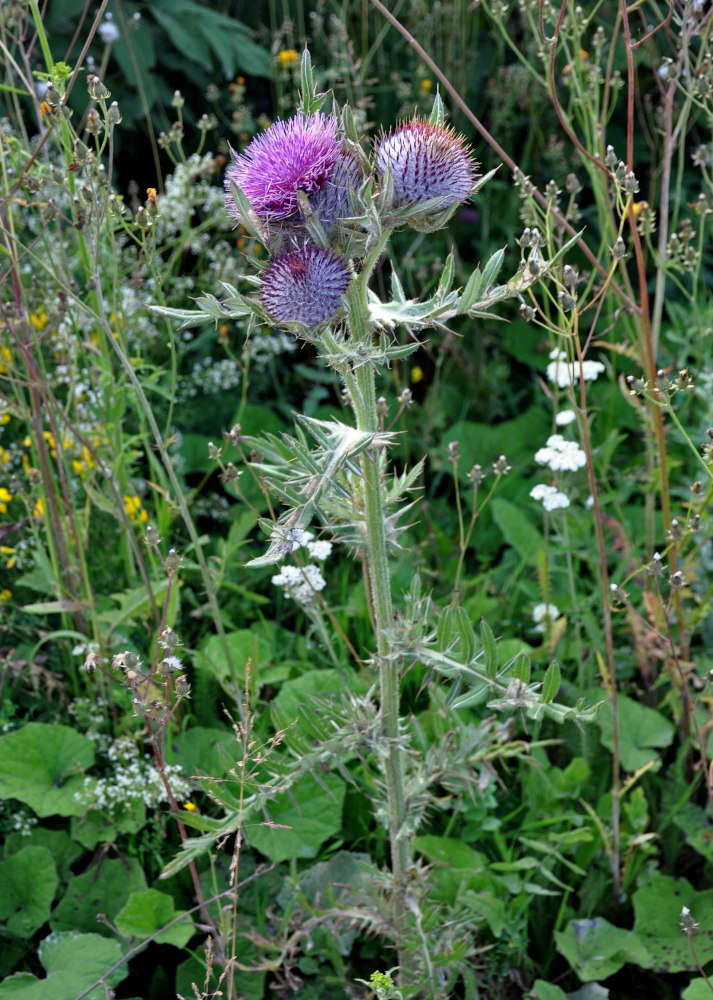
(362, 387)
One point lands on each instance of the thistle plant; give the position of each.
(326, 209)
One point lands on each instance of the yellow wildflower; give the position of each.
(189, 807)
(4, 456)
(287, 57)
(39, 509)
(416, 374)
(5, 594)
(5, 359)
(4, 418)
(7, 550)
(426, 85)
(5, 498)
(38, 319)
(135, 510)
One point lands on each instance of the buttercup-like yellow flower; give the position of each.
(135, 510)
(5, 498)
(287, 57)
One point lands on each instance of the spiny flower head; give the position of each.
(332, 199)
(291, 156)
(426, 161)
(304, 286)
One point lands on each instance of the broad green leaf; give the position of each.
(301, 821)
(29, 881)
(99, 827)
(657, 908)
(201, 750)
(147, 912)
(102, 888)
(42, 765)
(698, 989)
(518, 527)
(596, 949)
(243, 645)
(58, 842)
(642, 732)
(317, 683)
(547, 991)
(72, 962)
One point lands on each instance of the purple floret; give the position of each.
(291, 156)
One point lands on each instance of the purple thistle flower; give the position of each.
(332, 199)
(304, 286)
(426, 161)
(291, 156)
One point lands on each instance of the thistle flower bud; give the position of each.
(426, 161)
(304, 286)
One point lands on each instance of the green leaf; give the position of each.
(99, 827)
(41, 765)
(547, 991)
(551, 683)
(657, 908)
(490, 649)
(103, 888)
(147, 912)
(698, 989)
(492, 268)
(58, 842)
(72, 962)
(596, 949)
(203, 750)
(308, 815)
(642, 732)
(243, 645)
(517, 526)
(29, 881)
(316, 684)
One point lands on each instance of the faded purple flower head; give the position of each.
(304, 286)
(426, 161)
(332, 199)
(291, 156)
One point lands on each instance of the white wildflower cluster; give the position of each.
(22, 822)
(561, 455)
(551, 497)
(302, 582)
(90, 715)
(131, 779)
(191, 185)
(564, 373)
(565, 417)
(544, 616)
